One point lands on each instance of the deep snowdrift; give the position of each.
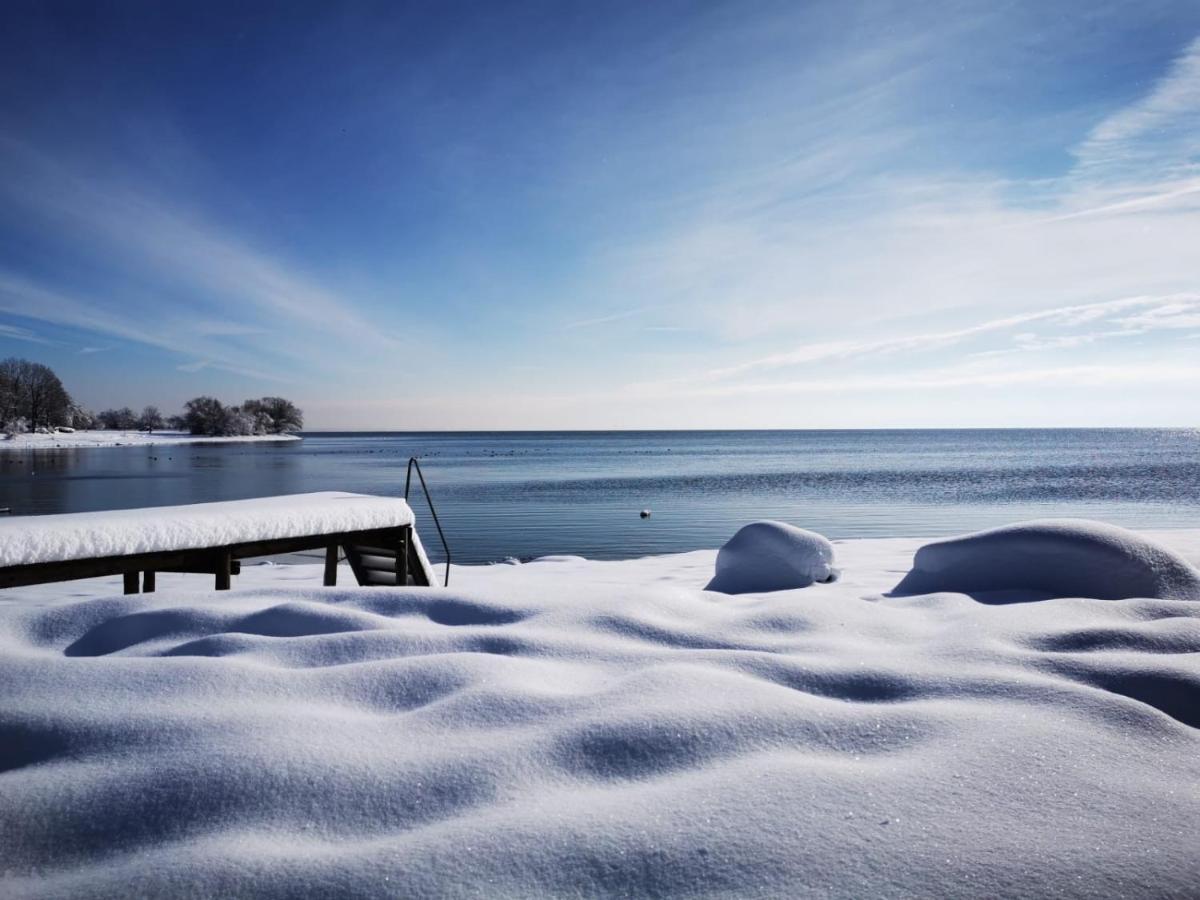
(1055, 558)
(570, 727)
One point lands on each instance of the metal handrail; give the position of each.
(413, 464)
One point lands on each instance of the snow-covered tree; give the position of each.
(274, 415)
(33, 392)
(206, 415)
(82, 419)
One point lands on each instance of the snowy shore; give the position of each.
(569, 727)
(76, 439)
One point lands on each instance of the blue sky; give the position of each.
(570, 215)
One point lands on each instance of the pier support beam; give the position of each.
(224, 569)
(331, 563)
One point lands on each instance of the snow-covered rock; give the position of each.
(772, 556)
(1055, 557)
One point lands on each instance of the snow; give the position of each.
(568, 727)
(772, 556)
(39, 539)
(1056, 558)
(78, 439)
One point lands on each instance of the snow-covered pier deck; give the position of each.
(376, 533)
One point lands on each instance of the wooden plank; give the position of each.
(69, 570)
(378, 579)
(280, 546)
(204, 567)
(331, 564)
(388, 553)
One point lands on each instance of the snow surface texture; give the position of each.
(38, 539)
(772, 556)
(1053, 558)
(569, 727)
(79, 439)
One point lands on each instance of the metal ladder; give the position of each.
(397, 565)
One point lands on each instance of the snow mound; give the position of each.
(772, 556)
(1055, 558)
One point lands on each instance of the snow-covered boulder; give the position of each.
(772, 556)
(1058, 557)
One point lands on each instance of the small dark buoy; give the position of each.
(645, 513)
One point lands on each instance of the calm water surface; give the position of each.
(529, 494)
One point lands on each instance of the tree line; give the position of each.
(32, 398)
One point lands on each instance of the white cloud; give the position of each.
(1182, 314)
(1154, 312)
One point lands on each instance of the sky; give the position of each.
(609, 215)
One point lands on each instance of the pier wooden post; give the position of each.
(331, 561)
(131, 582)
(402, 556)
(148, 581)
(224, 573)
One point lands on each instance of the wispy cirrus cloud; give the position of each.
(604, 320)
(22, 297)
(1099, 259)
(1161, 128)
(1148, 314)
(17, 333)
(956, 376)
(198, 280)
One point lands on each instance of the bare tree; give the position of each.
(123, 419)
(151, 420)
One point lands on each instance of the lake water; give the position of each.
(531, 494)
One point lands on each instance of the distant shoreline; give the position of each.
(81, 439)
